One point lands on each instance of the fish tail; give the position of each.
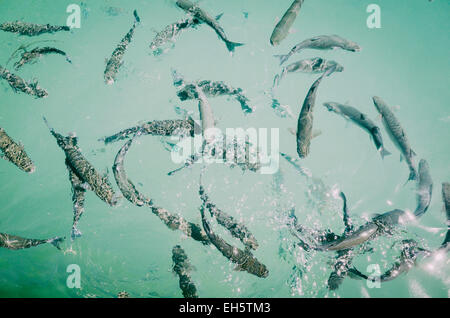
(276, 80)
(75, 233)
(419, 212)
(136, 17)
(56, 241)
(283, 58)
(384, 153)
(232, 45)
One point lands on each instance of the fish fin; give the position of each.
(283, 58)
(293, 131)
(219, 16)
(136, 17)
(413, 153)
(412, 175)
(401, 158)
(56, 241)
(232, 45)
(384, 153)
(316, 133)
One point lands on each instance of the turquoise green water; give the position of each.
(127, 248)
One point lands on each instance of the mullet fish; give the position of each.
(360, 119)
(321, 42)
(18, 84)
(13, 242)
(397, 135)
(284, 25)
(306, 117)
(244, 259)
(236, 229)
(15, 153)
(100, 185)
(31, 29)
(313, 65)
(203, 16)
(116, 59)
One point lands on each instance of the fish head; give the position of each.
(391, 218)
(379, 104)
(184, 4)
(354, 47)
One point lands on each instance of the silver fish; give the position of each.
(379, 225)
(306, 117)
(15, 153)
(424, 188)
(19, 84)
(127, 187)
(203, 16)
(31, 29)
(28, 57)
(182, 267)
(13, 242)
(235, 228)
(157, 128)
(360, 119)
(284, 25)
(397, 134)
(321, 42)
(83, 168)
(116, 59)
(313, 65)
